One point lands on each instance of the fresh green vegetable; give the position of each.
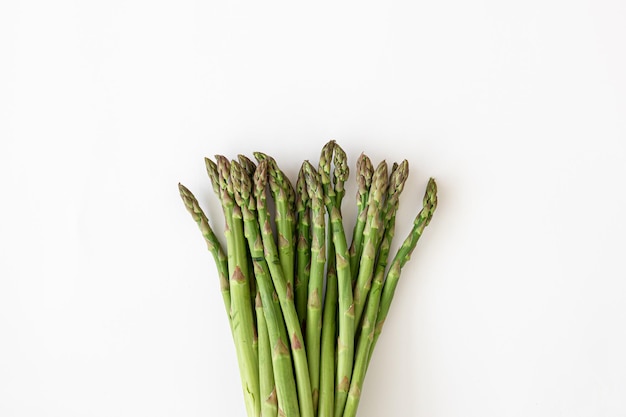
(303, 248)
(305, 309)
(281, 363)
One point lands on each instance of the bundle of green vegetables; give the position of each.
(306, 307)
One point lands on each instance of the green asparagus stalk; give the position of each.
(326, 404)
(241, 308)
(218, 184)
(249, 167)
(303, 245)
(213, 244)
(284, 199)
(212, 171)
(366, 335)
(402, 257)
(346, 319)
(269, 404)
(316, 279)
(364, 172)
(329, 325)
(285, 395)
(372, 235)
(285, 294)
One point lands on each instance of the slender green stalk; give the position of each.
(326, 404)
(248, 167)
(366, 334)
(303, 245)
(397, 179)
(253, 291)
(316, 281)
(213, 244)
(269, 405)
(219, 184)
(241, 308)
(212, 171)
(402, 257)
(345, 341)
(346, 319)
(329, 320)
(372, 235)
(285, 395)
(284, 199)
(285, 294)
(364, 172)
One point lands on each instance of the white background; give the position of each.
(514, 303)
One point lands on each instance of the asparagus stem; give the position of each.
(329, 325)
(241, 308)
(284, 198)
(372, 234)
(303, 245)
(402, 257)
(269, 405)
(213, 244)
(366, 335)
(285, 394)
(364, 172)
(248, 167)
(285, 294)
(345, 341)
(326, 404)
(253, 291)
(316, 279)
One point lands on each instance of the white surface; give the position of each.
(515, 301)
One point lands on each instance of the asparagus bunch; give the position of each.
(305, 307)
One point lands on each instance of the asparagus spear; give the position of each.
(213, 173)
(326, 404)
(364, 172)
(345, 341)
(329, 325)
(402, 257)
(372, 233)
(269, 405)
(285, 394)
(213, 244)
(303, 245)
(365, 339)
(284, 198)
(316, 279)
(241, 308)
(285, 294)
